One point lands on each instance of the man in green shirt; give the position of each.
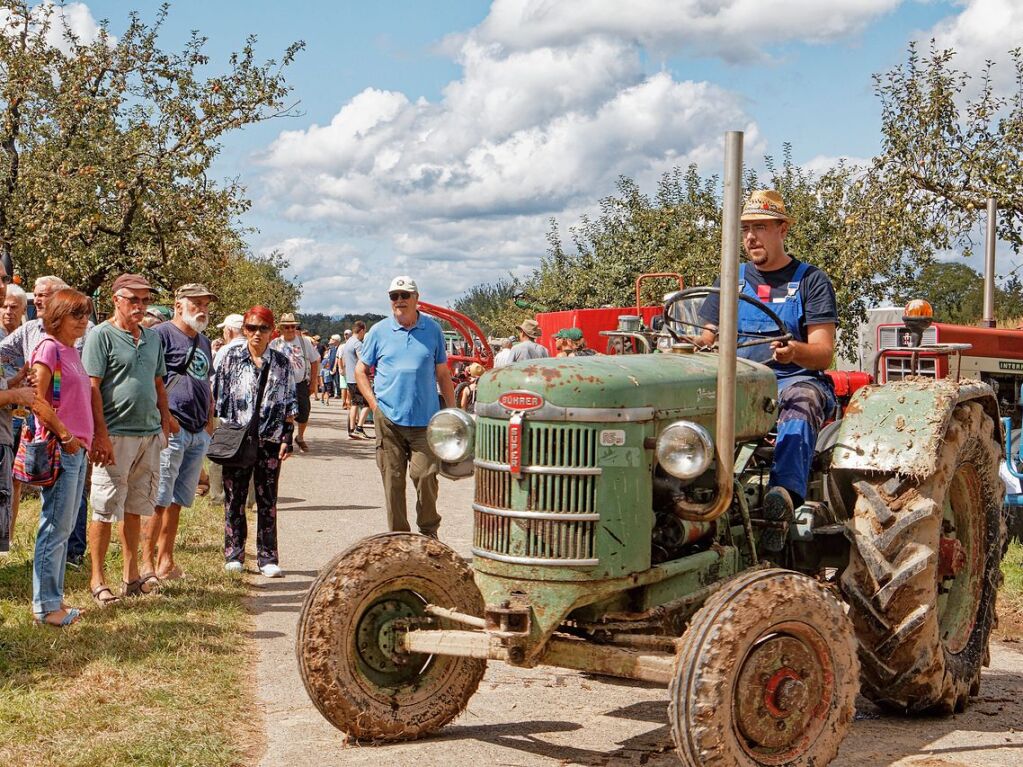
(132, 423)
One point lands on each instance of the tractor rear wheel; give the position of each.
(351, 668)
(766, 674)
(924, 572)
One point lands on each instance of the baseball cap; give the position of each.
(403, 282)
(194, 290)
(233, 321)
(131, 282)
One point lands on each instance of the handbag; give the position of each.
(235, 446)
(38, 459)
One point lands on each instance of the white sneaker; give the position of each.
(271, 571)
(234, 567)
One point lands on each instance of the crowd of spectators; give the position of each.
(128, 410)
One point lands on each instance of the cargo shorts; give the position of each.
(129, 485)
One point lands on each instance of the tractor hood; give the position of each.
(633, 387)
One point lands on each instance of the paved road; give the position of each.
(331, 497)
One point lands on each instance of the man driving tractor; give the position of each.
(804, 299)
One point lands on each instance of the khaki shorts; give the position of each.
(130, 484)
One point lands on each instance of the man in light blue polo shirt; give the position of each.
(408, 353)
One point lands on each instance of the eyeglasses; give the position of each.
(79, 314)
(756, 229)
(400, 295)
(6, 279)
(257, 328)
(133, 300)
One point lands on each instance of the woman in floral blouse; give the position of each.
(235, 390)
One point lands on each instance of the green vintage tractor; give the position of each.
(619, 530)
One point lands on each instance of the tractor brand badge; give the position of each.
(520, 400)
(1004, 365)
(515, 445)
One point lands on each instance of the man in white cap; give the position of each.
(407, 350)
(233, 336)
(803, 298)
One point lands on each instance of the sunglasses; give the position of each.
(257, 328)
(6, 279)
(400, 295)
(79, 314)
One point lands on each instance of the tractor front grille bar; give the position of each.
(546, 515)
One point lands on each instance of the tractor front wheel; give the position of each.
(348, 653)
(766, 675)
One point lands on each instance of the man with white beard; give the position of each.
(189, 359)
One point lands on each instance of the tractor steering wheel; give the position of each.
(756, 337)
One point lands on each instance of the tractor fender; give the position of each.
(898, 427)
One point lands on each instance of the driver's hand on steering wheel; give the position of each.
(784, 352)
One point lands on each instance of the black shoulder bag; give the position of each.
(237, 447)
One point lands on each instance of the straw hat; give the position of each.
(765, 205)
(476, 370)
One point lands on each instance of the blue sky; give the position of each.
(439, 138)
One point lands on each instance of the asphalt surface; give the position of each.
(331, 497)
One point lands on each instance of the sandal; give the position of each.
(71, 617)
(137, 588)
(104, 596)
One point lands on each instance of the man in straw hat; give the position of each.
(305, 367)
(803, 298)
(527, 348)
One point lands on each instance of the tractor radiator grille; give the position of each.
(549, 515)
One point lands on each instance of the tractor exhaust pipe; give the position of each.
(989, 264)
(728, 319)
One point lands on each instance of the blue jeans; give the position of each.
(803, 406)
(76, 543)
(60, 508)
(180, 466)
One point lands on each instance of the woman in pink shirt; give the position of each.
(63, 405)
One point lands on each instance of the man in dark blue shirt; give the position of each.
(189, 357)
(804, 299)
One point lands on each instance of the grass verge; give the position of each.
(161, 680)
(1010, 597)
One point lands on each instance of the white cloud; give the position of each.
(552, 105)
(822, 163)
(734, 30)
(73, 18)
(985, 29)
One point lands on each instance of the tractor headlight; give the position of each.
(685, 450)
(451, 434)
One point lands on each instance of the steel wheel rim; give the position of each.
(794, 689)
(963, 521)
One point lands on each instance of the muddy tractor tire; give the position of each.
(924, 572)
(766, 674)
(345, 644)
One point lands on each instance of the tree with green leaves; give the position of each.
(106, 147)
(949, 142)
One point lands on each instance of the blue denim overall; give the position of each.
(805, 397)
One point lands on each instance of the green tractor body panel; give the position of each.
(663, 386)
(898, 427)
(577, 521)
